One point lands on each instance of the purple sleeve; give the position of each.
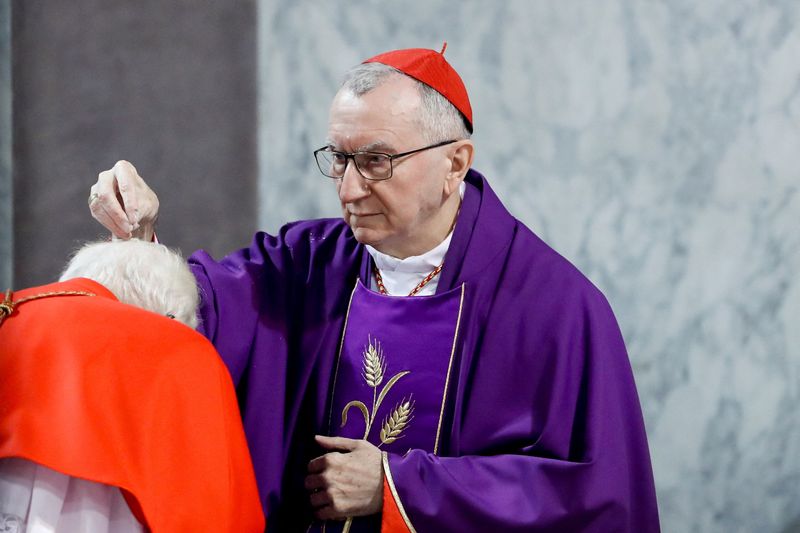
(237, 292)
(587, 469)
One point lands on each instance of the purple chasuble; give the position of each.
(541, 428)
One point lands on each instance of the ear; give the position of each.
(460, 163)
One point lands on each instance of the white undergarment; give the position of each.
(36, 499)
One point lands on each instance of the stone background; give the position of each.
(655, 143)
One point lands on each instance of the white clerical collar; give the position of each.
(416, 264)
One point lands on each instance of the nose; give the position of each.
(352, 185)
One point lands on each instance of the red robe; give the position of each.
(108, 392)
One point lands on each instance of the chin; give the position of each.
(366, 230)
(371, 236)
(365, 235)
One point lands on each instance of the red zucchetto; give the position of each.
(431, 68)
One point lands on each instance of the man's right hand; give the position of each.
(123, 203)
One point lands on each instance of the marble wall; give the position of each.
(656, 144)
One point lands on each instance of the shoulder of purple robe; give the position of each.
(274, 311)
(256, 290)
(546, 432)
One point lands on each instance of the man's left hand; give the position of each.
(347, 481)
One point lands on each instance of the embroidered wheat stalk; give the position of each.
(373, 371)
(394, 424)
(374, 364)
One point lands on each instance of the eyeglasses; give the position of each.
(375, 166)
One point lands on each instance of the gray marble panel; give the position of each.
(6, 185)
(656, 144)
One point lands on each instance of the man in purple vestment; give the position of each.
(425, 363)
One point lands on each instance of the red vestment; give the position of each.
(108, 392)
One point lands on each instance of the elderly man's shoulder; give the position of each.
(539, 269)
(318, 232)
(527, 265)
(85, 315)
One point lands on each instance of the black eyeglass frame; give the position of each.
(390, 157)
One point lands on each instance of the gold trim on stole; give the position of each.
(388, 473)
(449, 368)
(339, 356)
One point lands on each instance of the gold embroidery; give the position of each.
(374, 364)
(373, 372)
(7, 306)
(449, 368)
(390, 480)
(339, 356)
(394, 425)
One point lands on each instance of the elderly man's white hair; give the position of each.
(144, 274)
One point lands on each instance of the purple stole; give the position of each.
(392, 374)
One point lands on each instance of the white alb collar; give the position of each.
(416, 264)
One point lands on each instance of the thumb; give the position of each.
(341, 444)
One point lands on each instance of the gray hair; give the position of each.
(439, 120)
(144, 274)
